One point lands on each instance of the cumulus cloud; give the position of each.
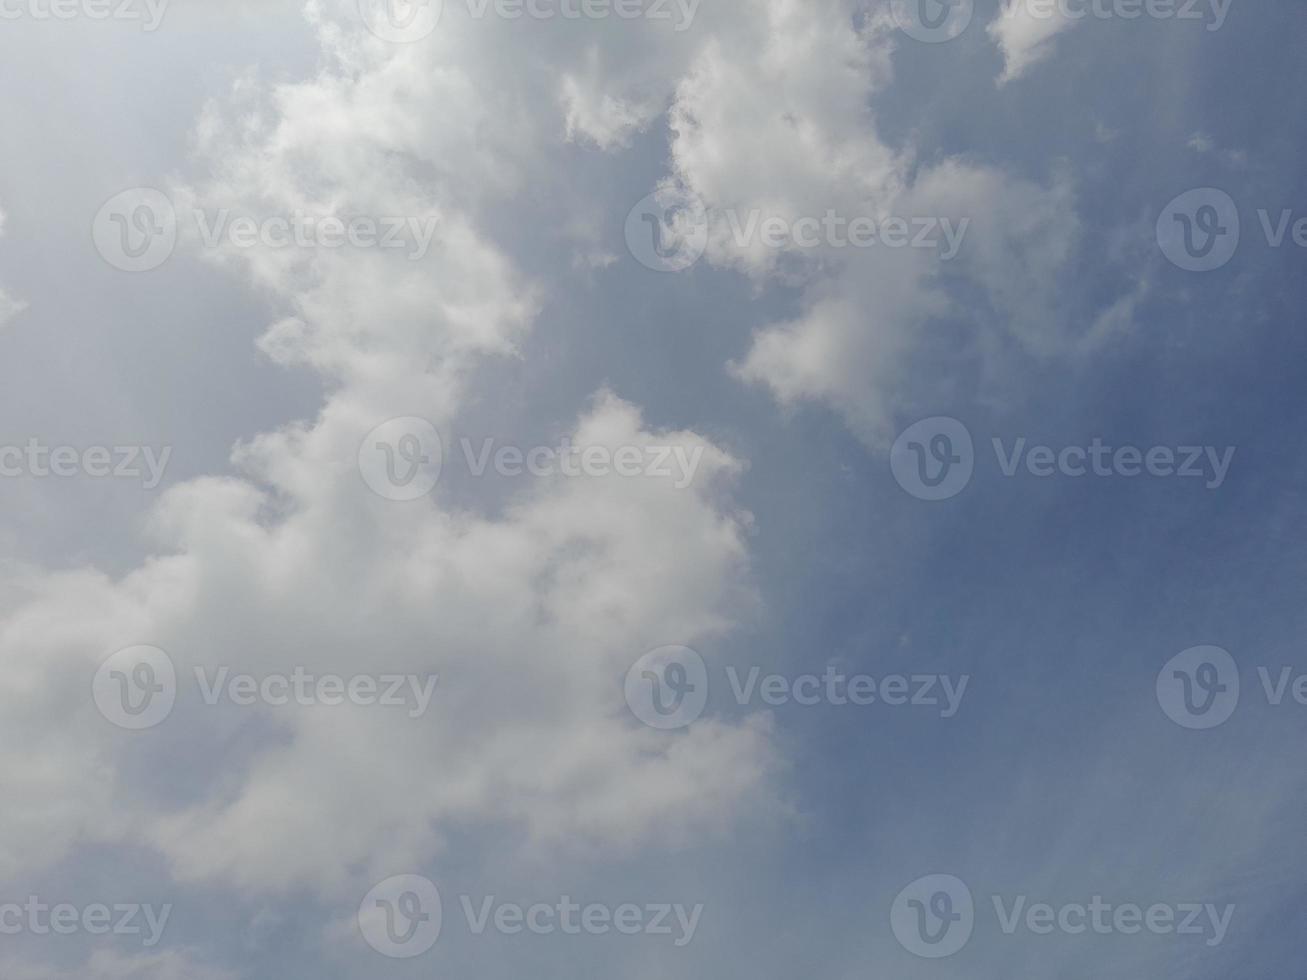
(530, 619)
(532, 616)
(798, 140)
(1026, 34)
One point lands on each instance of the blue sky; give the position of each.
(792, 372)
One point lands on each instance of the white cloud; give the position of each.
(1026, 35)
(530, 619)
(798, 139)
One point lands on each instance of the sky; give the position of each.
(651, 489)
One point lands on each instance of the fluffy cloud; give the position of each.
(532, 616)
(1026, 36)
(798, 140)
(530, 619)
